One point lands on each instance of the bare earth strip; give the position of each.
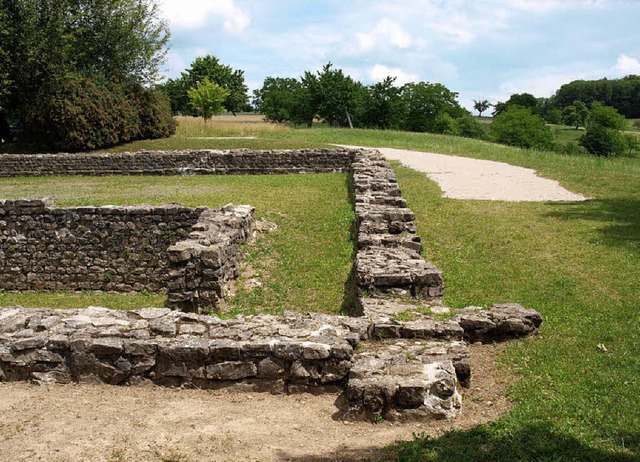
(465, 178)
(115, 424)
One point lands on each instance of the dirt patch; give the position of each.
(107, 423)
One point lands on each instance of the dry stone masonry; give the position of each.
(393, 360)
(203, 162)
(189, 253)
(388, 258)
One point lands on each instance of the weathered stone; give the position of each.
(500, 322)
(231, 370)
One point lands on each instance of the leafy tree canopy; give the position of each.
(207, 98)
(518, 126)
(44, 42)
(207, 67)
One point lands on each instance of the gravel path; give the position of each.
(465, 178)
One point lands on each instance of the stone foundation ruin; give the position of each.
(391, 360)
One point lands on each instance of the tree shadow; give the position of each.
(619, 218)
(349, 305)
(490, 443)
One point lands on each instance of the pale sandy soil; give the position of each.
(464, 178)
(108, 423)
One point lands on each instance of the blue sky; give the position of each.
(483, 49)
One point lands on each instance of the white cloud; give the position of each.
(379, 72)
(387, 31)
(195, 13)
(627, 65)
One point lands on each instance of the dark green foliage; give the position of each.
(206, 67)
(91, 52)
(469, 127)
(481, 106)
(602, 141)
(518, 126)
(606, 116)
(525, 100)
(603, 137)
(575, 114)
(423, 102)
(77, 113)
(382, 105)
(342, 102)
(622, 94)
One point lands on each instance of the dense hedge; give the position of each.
(78, 113)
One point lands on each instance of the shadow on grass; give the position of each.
(620, 219)
(532, 442)
(349, 298)
(490, 443)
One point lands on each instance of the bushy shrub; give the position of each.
(78, 113)
(602, 141)
(518, 126)
(572, 148)
(469, 127)
(154, 113)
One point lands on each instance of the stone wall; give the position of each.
(189, 253)
(388, 258)
(386, 367)
(121, 249)
(178, 162)
(202, 265)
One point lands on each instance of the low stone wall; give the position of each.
(122, 249)
(388, 258)
(410, 366)
(404, 370)
(189, 253)
(178, 162)
(202, 265)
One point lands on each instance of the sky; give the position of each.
(482, 49)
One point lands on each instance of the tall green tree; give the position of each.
(575, 114)
(524, 100)
(112, 40)
(382, 105)
(424, 102)
(55, 50)
(207, 67)
(208, 98)
(333, 94)
(519, 126)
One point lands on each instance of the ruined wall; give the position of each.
(121, 249)
(202, 265)
(189, 253)
(178, 162)
(388, 259)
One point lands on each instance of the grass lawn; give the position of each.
(304, 264)
(577, 263)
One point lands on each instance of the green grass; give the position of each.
(577, 263)
(304, 264)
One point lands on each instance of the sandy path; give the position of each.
(465, 178)
(115, 424)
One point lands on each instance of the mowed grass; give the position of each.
(578, 264)
(303, 265)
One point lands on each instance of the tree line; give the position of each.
(339, 100)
